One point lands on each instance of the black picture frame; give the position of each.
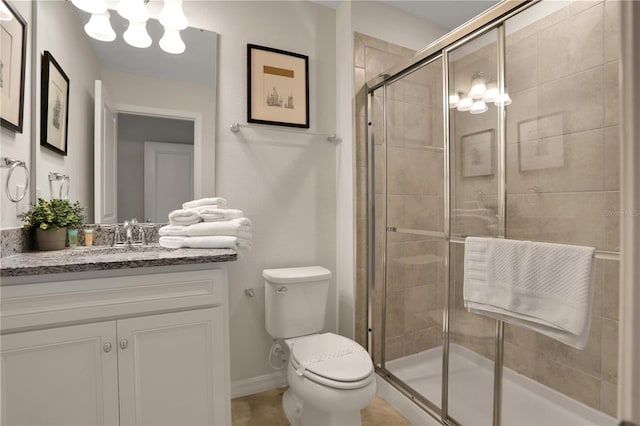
(268, 70)
(54, 112)
(12, 116)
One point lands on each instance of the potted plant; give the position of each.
(50, 220)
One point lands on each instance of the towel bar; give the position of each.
(331, 137)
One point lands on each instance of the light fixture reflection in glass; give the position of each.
(503, 99)
(94, 7)
(172, 17)
(454, 100)
(99, 27)
(478, 86)
(133, 10)
(492, 92)
(171, 42)
(465, 104)
(5, 13)
(136, 35)
(478, 107)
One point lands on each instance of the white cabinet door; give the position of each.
(173, 369)
(60, 376)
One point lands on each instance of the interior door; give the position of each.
(61, 376)
(168, 178)
(105, 155)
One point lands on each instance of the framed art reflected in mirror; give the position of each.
(13, 35)
(54, 105)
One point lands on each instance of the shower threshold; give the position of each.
(525, 401)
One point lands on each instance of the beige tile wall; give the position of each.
(414, 187)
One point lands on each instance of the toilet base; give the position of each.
(300, 414)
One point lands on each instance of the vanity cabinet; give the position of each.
(142, 366)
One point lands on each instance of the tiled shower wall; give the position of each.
(413, 182)
(371, 57)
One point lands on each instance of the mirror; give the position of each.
(155, 109)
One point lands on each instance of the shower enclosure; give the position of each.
(508, 128)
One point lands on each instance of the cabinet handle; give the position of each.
(107, 347)
(124, 343)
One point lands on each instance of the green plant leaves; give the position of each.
(54, 214)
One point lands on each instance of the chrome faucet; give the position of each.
(130, 237)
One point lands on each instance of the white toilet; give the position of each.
(331, 378)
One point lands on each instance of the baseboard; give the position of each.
(404, 405)
(258, 384)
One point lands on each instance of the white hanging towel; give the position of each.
(214, 201)
(545, 287)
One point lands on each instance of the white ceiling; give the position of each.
(445, 13)
(448, 14)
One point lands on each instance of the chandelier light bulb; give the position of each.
(503, 99)
(99, 27)
(136, 35)
(478, 86)
(171, 42)
(5, 13)
(172, 17)
(94, 7)
(133, 10)
(454, 100)
(465, 104)
(491, 94)
(478, 107)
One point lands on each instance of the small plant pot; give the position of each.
(51, 240)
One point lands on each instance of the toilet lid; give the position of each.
(332, 356)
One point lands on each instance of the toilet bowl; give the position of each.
(331, 378)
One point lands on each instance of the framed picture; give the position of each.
(278, 87)
(478, 154)
(54, 106)
(13, 34)
(541, 143)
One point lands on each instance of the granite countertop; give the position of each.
(100, 258)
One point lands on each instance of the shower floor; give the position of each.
(525, 401)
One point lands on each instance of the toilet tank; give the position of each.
(295, 300)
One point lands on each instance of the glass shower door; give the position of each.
(474, 135)
(414, 246)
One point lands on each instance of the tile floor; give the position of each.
(265, 409)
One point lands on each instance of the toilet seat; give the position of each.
(332, 360)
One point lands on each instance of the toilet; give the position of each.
(331, 378)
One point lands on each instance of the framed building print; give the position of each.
(278, 87)
(54, 106)
(13, 40)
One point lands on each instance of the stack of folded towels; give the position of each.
(207, 223)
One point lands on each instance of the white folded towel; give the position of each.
(172, 231)
(542, 286)
(227, 227)
(210, 214)
(184, 217)
(215, 201)
(209, 242)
